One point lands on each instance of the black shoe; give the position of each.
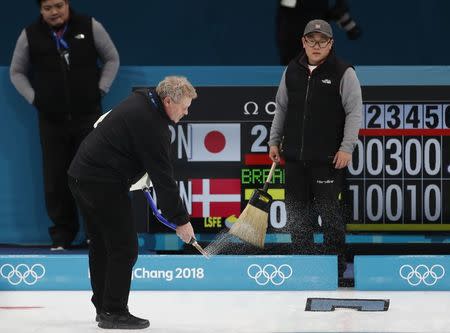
(346, 283)
(59, 246)
(123, 320)
(97, 318)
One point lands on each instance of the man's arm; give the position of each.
(281, 101)
(20, 65)
(277, 128)
(108, 55)
(350, 90)
(151, 142)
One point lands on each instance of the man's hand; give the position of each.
(342, 159)
(185, 232)
(274, 154)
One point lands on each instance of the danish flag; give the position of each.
(216, 197)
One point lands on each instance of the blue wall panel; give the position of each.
(235, 32)
(70, 272)
(408, 273)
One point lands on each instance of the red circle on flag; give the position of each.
(215, 141)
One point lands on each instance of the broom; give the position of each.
(169, 224)
(251, 226)
(144, 184)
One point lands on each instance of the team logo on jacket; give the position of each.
(326, 81)
(327, 181)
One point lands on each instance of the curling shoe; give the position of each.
(122, 320)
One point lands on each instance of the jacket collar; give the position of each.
(155, 102)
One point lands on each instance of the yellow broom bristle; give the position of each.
(251, 226)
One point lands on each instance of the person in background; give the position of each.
(317, 119)
(55, 67)
(133, 139)
(293, 15)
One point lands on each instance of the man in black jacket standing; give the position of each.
(55, 67)
(132, 139)
(317, 120)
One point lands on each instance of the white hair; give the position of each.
(175, 87)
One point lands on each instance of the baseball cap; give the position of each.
(318, 26)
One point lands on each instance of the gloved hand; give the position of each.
(354, 33)
(341, 14)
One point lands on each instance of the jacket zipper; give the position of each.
(304, 117)
(65, 72)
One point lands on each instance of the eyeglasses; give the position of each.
(322, 43)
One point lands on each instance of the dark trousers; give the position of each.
(60, 139)
(312, 190)
(113, 246)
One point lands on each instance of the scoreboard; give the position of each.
(399, 179)
(400, 175)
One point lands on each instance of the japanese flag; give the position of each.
(215, 142)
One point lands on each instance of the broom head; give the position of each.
(251, 226)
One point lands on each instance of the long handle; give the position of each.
(269, 177)
(155, 211)
(168, 224)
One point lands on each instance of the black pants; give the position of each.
(60, 139)
(312, 190)
(113, 246)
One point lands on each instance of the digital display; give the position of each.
(399, 179)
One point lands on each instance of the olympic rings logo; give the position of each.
(269, 273)
(421, 273)
(22, 273)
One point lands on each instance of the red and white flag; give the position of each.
(215, 142)
(216, 197)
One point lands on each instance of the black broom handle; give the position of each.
(269, 177)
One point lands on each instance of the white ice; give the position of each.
(227, 311)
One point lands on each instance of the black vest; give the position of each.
(60, 88)
(314, 125)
